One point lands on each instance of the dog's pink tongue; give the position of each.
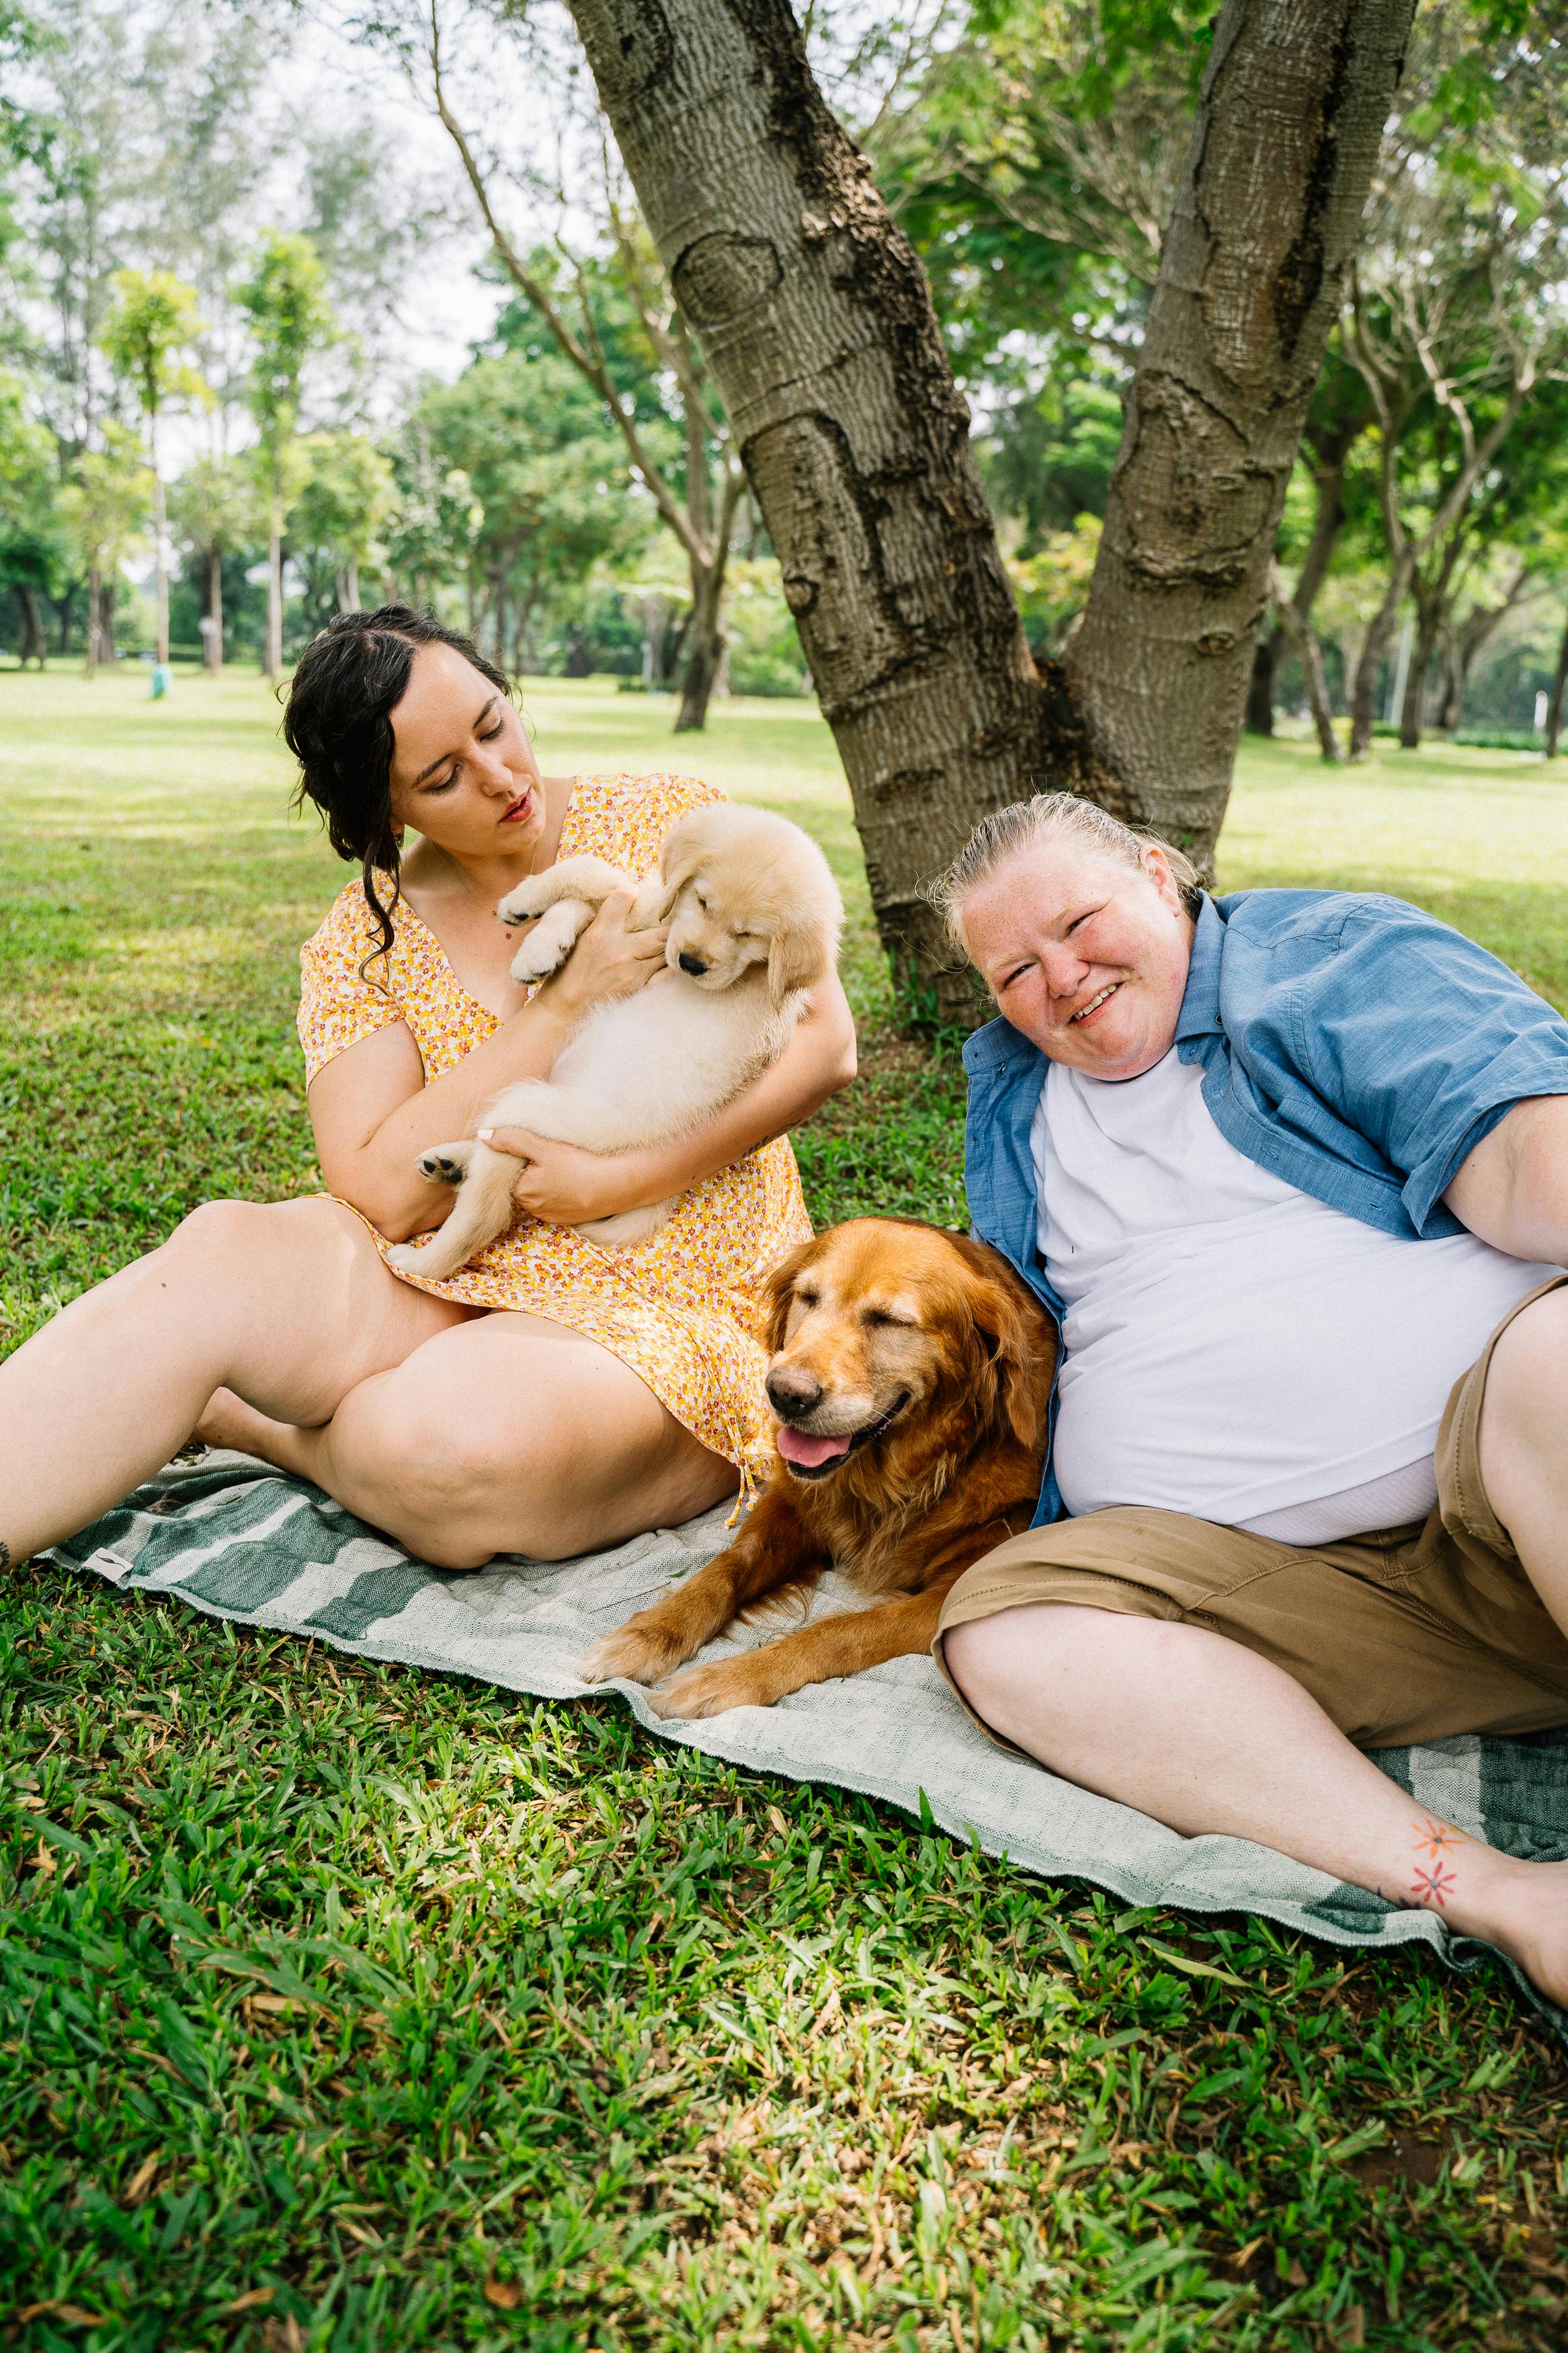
(811, 1453)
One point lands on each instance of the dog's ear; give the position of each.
(681, 854)
(796, 959)
(1023, 1358)
(781, 1295)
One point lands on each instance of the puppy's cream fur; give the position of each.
(755, 917)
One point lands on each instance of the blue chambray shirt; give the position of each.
(1351, 1044)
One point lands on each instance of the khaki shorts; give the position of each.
(1413, 1634)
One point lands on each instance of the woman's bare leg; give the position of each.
(512, 1434)
(287, 1304)
(1207, 1737)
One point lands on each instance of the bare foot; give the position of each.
(1525, 1911)
(229, 1422)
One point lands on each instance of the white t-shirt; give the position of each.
(1234, 1349)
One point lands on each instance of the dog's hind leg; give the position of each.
(482, 1209)
(774, 1549)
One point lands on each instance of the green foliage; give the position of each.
(343, 2006)
(217, 503)
(764, 648)
(153, 321)
(285, 301)
(348, 498)
(107, 504)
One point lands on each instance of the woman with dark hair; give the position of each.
(552, 1398)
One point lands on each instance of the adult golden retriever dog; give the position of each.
(911, 1374)
(755, 917)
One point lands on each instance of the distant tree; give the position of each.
(285, 301)
(547, 479)
(30, 537)
(154, 321)
(107, 503)
(216, 509)
(345, 503)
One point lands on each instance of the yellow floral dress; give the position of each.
(684, 1310)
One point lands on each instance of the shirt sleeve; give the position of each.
(1423, 1041)
(338, 1004)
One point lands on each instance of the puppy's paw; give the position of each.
(531, 898)
(540, 954)
(406, 1259)
(711, 1691)
(446, 1164)
(633, 1655)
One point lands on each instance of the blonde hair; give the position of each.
(1024, 824)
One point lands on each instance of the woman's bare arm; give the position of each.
(373, 1113)
(564, 1184)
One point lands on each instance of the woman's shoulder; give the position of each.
(623, 816)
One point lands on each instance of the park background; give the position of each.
(340, 2006)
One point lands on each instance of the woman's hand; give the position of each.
(564, 1184)
(608, 961)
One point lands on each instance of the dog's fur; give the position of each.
(755, 917)
(933, 1358)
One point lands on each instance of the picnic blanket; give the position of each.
(235, 1538)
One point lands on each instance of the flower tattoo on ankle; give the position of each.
(1433, 1841)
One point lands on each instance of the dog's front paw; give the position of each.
(633, 1655)
(711, 1691)
(446, 1164)
(530, 899)
(540, 954)
(406, 1259)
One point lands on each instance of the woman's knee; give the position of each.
(242, 1236)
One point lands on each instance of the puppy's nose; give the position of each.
(693, 964)
(793, 1391)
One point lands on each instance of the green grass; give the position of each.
(342, 2006)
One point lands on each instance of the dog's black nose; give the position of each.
(693, 964)
(792, 1391)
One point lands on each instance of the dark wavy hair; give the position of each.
(338, 724)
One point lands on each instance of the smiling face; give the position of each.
(1085, 955)
(463, 772)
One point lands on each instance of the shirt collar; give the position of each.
(1199, 1016)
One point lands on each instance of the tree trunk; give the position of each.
(272, 666)
(1304, 638)
(704, 647)
(213, 650)
(817, 321)
(1415, 684)
(33, 645)
(1559, 691)
(1259, 720)
(161, 564)
(94, 616)
(353, 576)
(1380, 628)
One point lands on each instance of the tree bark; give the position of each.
(1304, 638)
(1415, 681)
(817, 322)
(353, 584)
(33, 645)
(1259, 720)
(161, 562)
(1380, 628)
(1559, 691)
(704, 647)
(272, 666)
(212, 651)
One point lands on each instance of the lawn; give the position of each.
(348, 2006)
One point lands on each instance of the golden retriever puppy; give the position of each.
(755, 917)
(911, 1374)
